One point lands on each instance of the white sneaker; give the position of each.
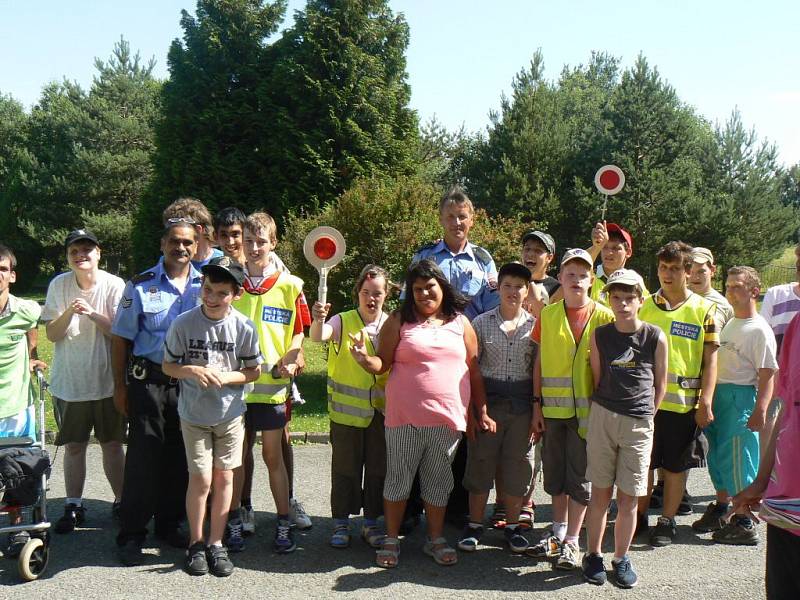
(298, 516)
(248, 520)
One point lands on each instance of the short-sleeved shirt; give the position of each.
(746, 345)
(627, 370)
(81, 368)
(779, 307)
(724, 309)
(471, 272)
(149, 304)
(550, 284)
(227, 344)
(18, 317)
(506, 360)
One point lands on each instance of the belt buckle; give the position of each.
(138, 372)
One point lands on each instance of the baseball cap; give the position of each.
(579, 254)
(702, 255)
(613, 227)
(226, 266)
(514, 269)
(543, 237)
(80, 234)
(624, 277)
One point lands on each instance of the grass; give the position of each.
(311, 417)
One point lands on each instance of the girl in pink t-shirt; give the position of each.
(435, 378)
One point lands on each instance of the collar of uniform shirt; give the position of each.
(442, 247)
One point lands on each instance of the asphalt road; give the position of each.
(83, 564)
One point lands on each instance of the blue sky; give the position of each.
(719, 55)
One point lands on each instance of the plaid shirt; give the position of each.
(501, 356)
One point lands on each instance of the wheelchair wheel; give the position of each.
(33, 559)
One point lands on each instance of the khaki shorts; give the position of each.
(213, 446)
(76, 419)
(618, 450)
(509, 449)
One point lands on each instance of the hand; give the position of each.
(749, 500)
(81, 307)
(537, 425)
(288, 369)
(121, 399)
(358, 346)
(703, 416)
(599, 235)
(300, 361)
(207, 377)
(35, 363)
(320, 312)
(486, 423)
(757, 420)
(533, 302)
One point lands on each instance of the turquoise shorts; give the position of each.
(23, 424)
(733, 450)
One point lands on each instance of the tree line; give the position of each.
(312, 123)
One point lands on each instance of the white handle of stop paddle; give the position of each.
(322, 290)
(605, 204)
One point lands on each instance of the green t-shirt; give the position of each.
(19, 317)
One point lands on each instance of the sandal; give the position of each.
(340, 538)
(499, 516)
(442, 553)
(386, 558)
(373, 535)
(526, 516)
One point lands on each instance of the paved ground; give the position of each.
(83, 564)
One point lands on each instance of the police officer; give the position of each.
(470, 270)
(155, 469)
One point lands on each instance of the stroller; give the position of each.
(24, 469)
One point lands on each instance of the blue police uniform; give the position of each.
(471, 271)
(156, 475)
(199, 264)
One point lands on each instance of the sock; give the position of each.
(560, 530)
(617, 559)
(75, 501)
(571, 539)
(215, 546)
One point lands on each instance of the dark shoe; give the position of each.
(685, 507)
(657, 498)
(115, 510)
(594, 571)
(642, 524)
(624, 574)
(221, 565)
(177, 538)
(131, 554)
(548, 547)
(663, 533)
(73, 515)
(736, 533)
(234, 535)
(15, 543)
(284, 539)
(470, 538)
(196, 562)
(517, 542)
(712, 519)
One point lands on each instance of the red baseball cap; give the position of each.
(613, 227)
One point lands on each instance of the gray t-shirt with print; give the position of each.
(227, 345)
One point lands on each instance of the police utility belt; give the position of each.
(142, 369)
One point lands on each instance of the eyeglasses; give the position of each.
(175, 220)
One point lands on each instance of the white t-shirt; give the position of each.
(780, 305)
(746, 345)
(81, 368)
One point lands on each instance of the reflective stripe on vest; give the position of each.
(685, 333)
(567, 382)
(353, 393)
(274, 315)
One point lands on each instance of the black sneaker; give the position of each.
(624, 574)
(642, 524)
(594, 571)
(221, 565)
(196, 562)
(712, 519)
(737, 533)
(470, 538)
(73, 515)
(663, 533)
(130, 554)
(517, 542)
(15, 543)
(284, 539)
(685, 507)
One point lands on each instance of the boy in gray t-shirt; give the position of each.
(213, 350)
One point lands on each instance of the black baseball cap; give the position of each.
(80, 234)
(543, 237)
(514, 269)
(227, 267)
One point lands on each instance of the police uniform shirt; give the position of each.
(148, 306)
(471, 271)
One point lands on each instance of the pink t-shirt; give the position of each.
(781, 503)
(429, 383)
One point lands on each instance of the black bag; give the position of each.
(21, 471)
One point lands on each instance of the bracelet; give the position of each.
(537, 399)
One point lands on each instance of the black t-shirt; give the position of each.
(627, 362)
(550, 284)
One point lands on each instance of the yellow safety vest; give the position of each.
(597, 294)
(685, 333)
(353, 394)
(567, 382)
(274, 315)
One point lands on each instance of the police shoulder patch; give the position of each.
(142, 277)
(482, 255)
(126, 302)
